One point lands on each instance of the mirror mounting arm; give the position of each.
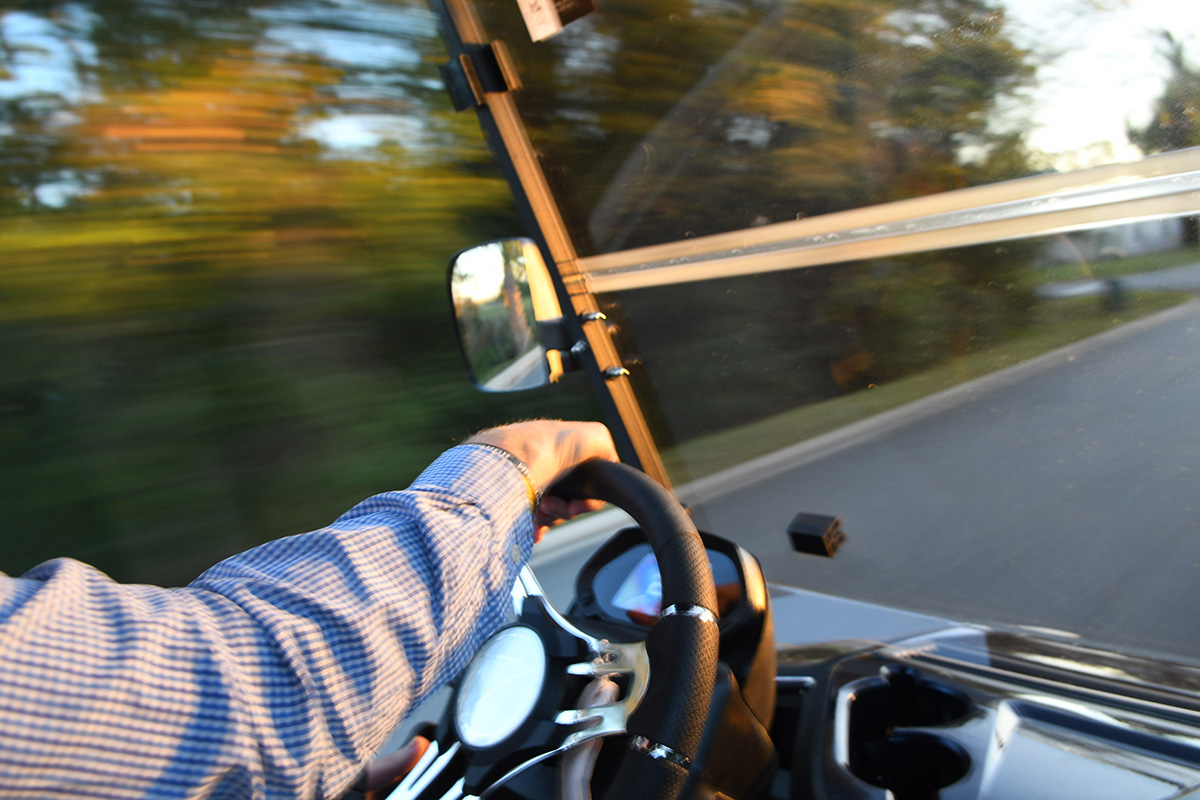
(555, 336)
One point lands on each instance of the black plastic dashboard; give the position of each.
(941, 718)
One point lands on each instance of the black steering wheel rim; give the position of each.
(666, 728)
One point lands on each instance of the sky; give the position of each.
(480, 272)
(46, 62)
(1109, 71)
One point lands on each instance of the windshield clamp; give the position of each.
(481, 69)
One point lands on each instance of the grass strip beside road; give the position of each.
(1116, 268)
(1058, 323)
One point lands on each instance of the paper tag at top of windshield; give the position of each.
(544, 18)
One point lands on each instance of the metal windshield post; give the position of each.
(480, 76)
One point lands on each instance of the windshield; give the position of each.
(926, 265)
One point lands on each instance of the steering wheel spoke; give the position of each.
(610, 658)
(432, 765)
(528, 587)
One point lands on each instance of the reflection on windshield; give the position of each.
(694, 118)
(745, 366)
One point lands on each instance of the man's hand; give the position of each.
(551, 448)
(385, 773)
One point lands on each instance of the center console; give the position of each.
(966, 717)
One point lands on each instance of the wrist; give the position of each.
(533, 492)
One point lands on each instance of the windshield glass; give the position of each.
(697, 117)
(926, 265)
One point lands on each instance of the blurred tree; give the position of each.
(222, 305)
(521, 332)
(1175, 119)
(787, 109)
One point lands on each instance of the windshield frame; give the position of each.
(482, 65)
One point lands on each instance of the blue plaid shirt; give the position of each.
(276, 673)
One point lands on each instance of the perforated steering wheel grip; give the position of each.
(665, 729)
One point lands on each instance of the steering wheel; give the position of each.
(668, 678)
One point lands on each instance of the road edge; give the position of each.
(863, 431)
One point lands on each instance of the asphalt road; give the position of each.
(1185, 278)
(1064, 494)
(527, 371)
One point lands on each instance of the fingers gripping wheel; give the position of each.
(665, 730)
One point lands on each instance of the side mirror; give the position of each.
(499, 290)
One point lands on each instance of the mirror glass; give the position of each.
(494, 308)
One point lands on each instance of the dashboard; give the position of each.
(959, 713)
(970, 713)
(620, 589)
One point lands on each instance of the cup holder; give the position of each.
(885, 752)
(912, 765)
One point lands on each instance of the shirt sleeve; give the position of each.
(277, 672)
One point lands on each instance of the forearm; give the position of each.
(278, 670)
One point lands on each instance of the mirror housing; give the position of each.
(500, 291)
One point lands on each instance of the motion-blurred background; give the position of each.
(224, 228)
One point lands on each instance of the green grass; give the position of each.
(1057, 323)
(1151, 262)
